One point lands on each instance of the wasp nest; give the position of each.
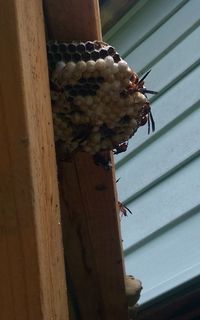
(98, 101)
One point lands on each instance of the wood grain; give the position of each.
(73, 20)
(32, 276)
(92, 240)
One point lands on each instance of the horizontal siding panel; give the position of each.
(143, 170)
(160, 175)
(180, 98)
(157, 43)
(163, 203)
(168, 261)
(133, 31)
(176, 62)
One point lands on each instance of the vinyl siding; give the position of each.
(160, 173)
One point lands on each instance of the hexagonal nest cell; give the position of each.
(98, 101)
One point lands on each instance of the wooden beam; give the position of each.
(32, 276)
(92, 240)
(73, 20)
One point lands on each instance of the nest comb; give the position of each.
(98, 101)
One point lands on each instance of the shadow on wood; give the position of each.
(92, 240)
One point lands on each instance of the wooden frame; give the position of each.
(89, 208)
(33, 284)
(32, 275)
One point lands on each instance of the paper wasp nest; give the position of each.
(98, 101)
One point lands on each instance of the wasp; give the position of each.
(102, 159)
(123, 209)
(137, 85)
(147, 117)
(122, 147)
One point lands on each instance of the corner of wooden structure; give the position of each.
(32, 275)
(92, 240)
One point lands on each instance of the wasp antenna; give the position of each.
(146, 74)
(152, 121)
(149, 124)
(128, 209)
(144, 90)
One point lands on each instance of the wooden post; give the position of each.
(92, 241)
(32, 276)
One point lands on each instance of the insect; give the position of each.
(146, 116)
(137, 85)
(120, 148)
(100, 159)
(123, 209)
